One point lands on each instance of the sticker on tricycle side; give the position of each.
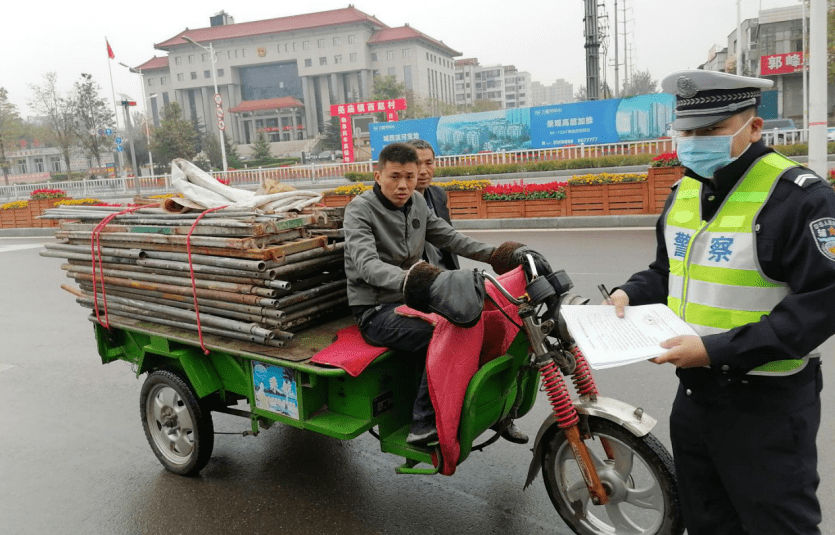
(275, 389)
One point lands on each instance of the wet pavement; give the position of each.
(74, 458)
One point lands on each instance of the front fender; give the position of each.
(623, 414)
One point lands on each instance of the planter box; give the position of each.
(7, 219)
(544, 208)
(607, 199)
(37, 208)
(336, 201)
(466, 204)
(505, 209)
(660, 179)
(22, 217)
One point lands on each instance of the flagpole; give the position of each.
(115, 108)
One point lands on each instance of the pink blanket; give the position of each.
(350, 352)
(455, 354)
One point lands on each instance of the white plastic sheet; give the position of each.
(201, 189)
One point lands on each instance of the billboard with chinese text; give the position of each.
(781, 64)
(588, 123)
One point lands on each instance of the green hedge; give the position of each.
(527, 167)
(800, 149)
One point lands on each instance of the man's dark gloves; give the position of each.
(456, 295)
(510, 255)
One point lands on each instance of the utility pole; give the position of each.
(617, 80)
(592, 51)
(817, 87)
(738, 38)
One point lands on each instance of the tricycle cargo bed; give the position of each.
(296, 354)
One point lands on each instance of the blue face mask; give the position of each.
(707, 154)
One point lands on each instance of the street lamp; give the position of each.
(211, 52)
(138, 71)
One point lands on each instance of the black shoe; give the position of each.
(422, 433)
(511, 433)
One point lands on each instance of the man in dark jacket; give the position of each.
(386, 231)
(436, 200)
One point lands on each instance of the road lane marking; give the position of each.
(8, 248)
(4, 367)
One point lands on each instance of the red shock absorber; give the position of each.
(582, 377)
(558, 396)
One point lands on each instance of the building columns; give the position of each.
(365, 89)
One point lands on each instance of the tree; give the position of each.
(830, 40)
(387, 88)
(59, 111)
(211, 146)
(332, 137)
(10, 129)
(485, 105)
(232, 158)
(174, 138)
(261, 148)
(581, 95)
(640, 83)
(93, 114)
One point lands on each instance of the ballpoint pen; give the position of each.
(605, 293)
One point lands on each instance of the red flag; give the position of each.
(110, 53)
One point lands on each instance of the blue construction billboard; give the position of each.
(587, 123)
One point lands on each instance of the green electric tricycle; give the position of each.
(603, 470)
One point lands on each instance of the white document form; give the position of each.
(607, 340)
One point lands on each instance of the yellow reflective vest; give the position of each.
(716, 282)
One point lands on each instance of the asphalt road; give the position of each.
(74, 459)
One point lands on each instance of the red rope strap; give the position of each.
(193, 281)
(95, 246)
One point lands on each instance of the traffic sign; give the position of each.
(120, 148)
(101, 132)
(109, 131)
(218, 99)
(221, 124)
(219, 113)
(118, 141)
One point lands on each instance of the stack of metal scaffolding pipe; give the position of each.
(256, 277)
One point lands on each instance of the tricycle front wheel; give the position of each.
(178, 428)
(637, 473)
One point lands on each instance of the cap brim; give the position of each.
(694, 123)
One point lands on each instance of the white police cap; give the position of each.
(704, 97)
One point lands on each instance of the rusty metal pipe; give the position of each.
(311, 282)
(187, 315)
(219, 261)
(299, 297)
(127, 313)
(180, 281)
(308, 255)
(109, 251)
(258, 282)
(262, 321)
(205, 268)
(180, 290)
(181, 300)
(317, 263)
(333, 303)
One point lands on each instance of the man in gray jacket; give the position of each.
(386, 231)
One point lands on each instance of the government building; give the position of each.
(280, 76)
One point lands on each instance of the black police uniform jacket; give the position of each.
(788, 251)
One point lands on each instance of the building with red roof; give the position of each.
(279, 77)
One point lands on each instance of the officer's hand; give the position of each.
(684, 352)
(619, 299)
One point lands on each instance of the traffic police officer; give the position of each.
(746, 256)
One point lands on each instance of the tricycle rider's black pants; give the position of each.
(381, 327)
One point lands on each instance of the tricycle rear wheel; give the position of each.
(639, 478)
(177, 426)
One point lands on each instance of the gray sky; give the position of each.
(544, 38)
